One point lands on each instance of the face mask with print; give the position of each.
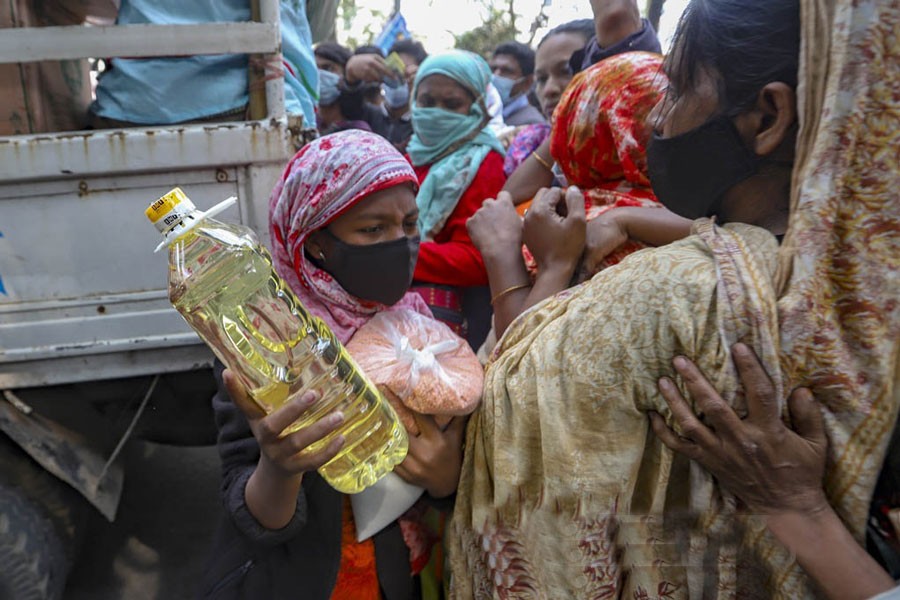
(328, 87)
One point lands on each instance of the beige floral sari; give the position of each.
(566, 493)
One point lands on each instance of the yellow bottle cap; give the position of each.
(170, 210)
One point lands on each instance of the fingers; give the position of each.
(506, 197)
(545, 202)
(294, 443)
(410, 471)
(575, 204)
(428, 427)
(691, 427)
(762, 405)
(311, 462)
(457, 426)
(671, 439)
(807, 417)
(709, 402)
(282, 418)
(241, 397)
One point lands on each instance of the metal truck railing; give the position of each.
(82, 296)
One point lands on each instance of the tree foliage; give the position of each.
(349, 12)
(499, 26)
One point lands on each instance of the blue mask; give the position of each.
(504, 87)
(328, 87)
(396, 96)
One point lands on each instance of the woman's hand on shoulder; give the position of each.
(771, 468)
(496, 227)
(604, 234)
(555, 229)
(284, 454)
(434, 460)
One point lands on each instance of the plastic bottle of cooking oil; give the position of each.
(222, 282)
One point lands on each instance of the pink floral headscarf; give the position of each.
(323, 180)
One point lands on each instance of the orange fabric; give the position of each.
(523, 208)
(357, 577)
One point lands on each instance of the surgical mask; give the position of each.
(379, 272)
(328, 87)
(396, 96)
(504, 87)
(690, 173)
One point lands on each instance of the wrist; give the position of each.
(787, 524)
(505, 254)
(271, 475)
(555, 267)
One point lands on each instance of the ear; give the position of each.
(317, 245)
(777, 106)
(529, 82)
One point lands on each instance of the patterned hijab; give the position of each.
(600, 135)
(323, 180)
(601, 130)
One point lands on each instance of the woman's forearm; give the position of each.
(271, 496)
(510, 284)
(831, 557)
(530, 176)
(551, 280)
(653, 226)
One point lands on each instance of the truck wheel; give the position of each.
(32, 555)
(66, 510)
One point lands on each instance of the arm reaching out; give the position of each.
(272, 489)
(615, 20)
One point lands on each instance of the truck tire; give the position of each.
(66, 510)
(31, 552)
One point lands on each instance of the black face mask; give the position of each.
(691, 172)
(376, 272)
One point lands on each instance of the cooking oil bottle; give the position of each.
(222, 282)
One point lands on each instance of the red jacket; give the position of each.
(452, 259)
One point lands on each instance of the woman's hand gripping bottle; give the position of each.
(222, 282)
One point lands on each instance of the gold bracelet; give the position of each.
(509, 290)
(540, 159)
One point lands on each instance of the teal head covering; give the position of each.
(453, 144)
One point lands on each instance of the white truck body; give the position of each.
(82, 295)
(86, 328)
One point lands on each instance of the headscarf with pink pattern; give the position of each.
(323, 180)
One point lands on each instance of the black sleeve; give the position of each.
(644, 40)
(240, 453)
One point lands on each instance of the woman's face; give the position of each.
(384, 216)
(439, 91)
(767, 129)
(680, 111)
(551, 68)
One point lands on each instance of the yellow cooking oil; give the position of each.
(222, 281)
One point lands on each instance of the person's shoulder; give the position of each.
(527, 115)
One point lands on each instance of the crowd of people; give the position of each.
(679, 271)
